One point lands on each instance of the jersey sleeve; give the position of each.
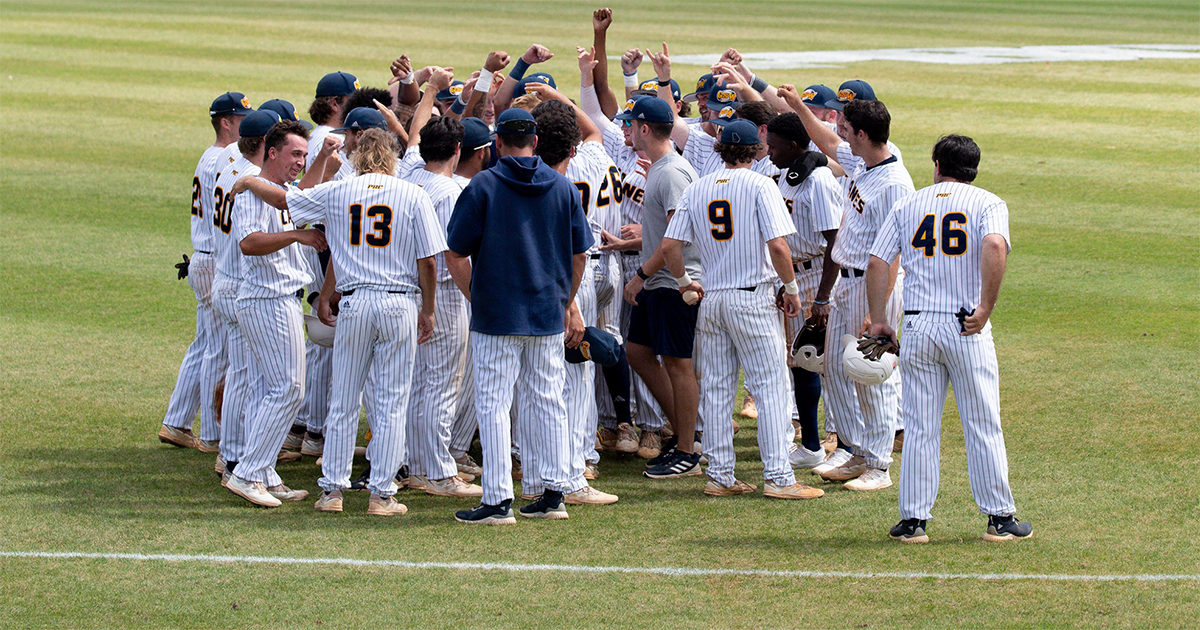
(411, 161)
(851, 163)
(826, 202)
(428, 232)
(698, 147)
(772, 214)
(887, 239)
(614, 140)
(677, 183)
(249, 216)
(679, 227)
(464, 232)
(994, 220)
(308, 206)
(892, 195)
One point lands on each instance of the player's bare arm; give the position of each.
(459, 267)
(393, 123)
(725, 73)
(262, 243)
(993, 261)
(316, 173)
(630, 61)
(402, 73)
(439, 79)
(588, 129)
(601, 20)
(484, 85)
(427, 280)
(536, 54)
(662, 71)
(877, 292)
(819, 314)
(672, 253)
(327, 298)
(270, 193)
(781, 260)
(573, 325)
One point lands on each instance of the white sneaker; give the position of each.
(417, 482)
(467, 465)
(589, 496)
(293, 441)
(836, 458)
(452, 487)
(873, 479)
(252, 491)
(800, 457)
(284, 493)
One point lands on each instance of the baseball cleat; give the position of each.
(284, 493)
(385, 506)
(329, 502)
(416, 482)
(252, 491)
(749, 411)
(591, 472)
(293, 441)
(360, 483)
(452, 487)
(287, 456)
(1002, 528)
(588, 495)
(909, 530)
(529, 496)
(548, 506)
(467, 477)
(182, 438)
(665, 451)
(313, 445)
(488, 514)
(800, 457)
(627, 438)
(830, 442)
(225, 479)
(795, 491)
(650, 445)
(606, 439)
(871, 479)
(467, 465)
(679, 465)
(219, 468)
(208, 446)
(853, 467)
(833, 460)
(715, 489)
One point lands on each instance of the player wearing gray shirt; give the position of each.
(666, 180)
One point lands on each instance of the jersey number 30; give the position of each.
(954, 240)
(720, 215)
(381, 230)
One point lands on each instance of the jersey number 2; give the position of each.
(954, 240)
(381, 231)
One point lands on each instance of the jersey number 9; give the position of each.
(720, 214)
(954, 240)
(381, 230)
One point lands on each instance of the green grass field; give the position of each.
(103, 116)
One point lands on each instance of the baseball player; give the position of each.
(327, 109)
(952, 241)
(269, 314)
(194, 386)
(518, 242)
(737, 221)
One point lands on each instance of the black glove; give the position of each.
(183, 267)
(962, 315)
(803, 167)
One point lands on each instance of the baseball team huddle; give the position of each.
(569, 279)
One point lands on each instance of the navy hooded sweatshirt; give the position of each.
(521, 222)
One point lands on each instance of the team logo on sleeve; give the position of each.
(246, 103)
(456, 90)
(808, 95)
(726, 96)
(846, 95)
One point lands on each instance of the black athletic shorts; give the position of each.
(664, 322)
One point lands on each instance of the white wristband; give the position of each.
(792, 288)
(408, 79)
(683, 280)
(484, 81)
(631, 80)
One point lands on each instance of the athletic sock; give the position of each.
(617, 379)
(843, 445)
(808, 394)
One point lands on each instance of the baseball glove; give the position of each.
(183, 267)
(875, 346)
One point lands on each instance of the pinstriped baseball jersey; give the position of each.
(766, 168)
(226, 250)
(347, 170)
(816, 206)
(443, 193)
(698, 151)
(280, 273)
(854, 165)
(377, 227)
(729, 216)
(460, 180)
(410, 163)
(937, 231)
(873, 193)
(202, 199)
(599, 184)
(613, 138)
(316, 139)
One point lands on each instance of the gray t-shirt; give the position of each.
(666, 180)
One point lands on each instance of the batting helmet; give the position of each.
(862, 369)
(318, 332)
(808, 348)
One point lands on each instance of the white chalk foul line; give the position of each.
(966, 55)
(570, 568)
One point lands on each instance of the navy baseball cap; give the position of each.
(650, 88)
(337, 84)
(286, 111)
(652, 110)
(703, 86)
(626, 112)
(515, 121)
(740, 132)
(849, 91)
(719, 95)
(537, 77)
(818, 95)
(597, 346)
(361, 118)
(257, 124)
(476, 134)
(451, 92)
(228, 103)
(726, 115)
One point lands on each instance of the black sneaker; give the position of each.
(402, 477)
(549, 506)
(360, 484)
(668, 450)
(910, 530)
(680, 465)
(488, 514)
(1002, 528)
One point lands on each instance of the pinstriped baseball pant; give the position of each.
(376, 334)
(318, 374)
(934, 354)
(462, 431)
(437, 377)
(743, 329)
(645, 411)
(190, 395)
(500, 362)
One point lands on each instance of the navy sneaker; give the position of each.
(549, 506)
(910, 530)
(1002, 528)
(668, 449)
(679, 465)
(360, 484)
(488, 514)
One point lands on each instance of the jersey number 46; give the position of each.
(954, 240)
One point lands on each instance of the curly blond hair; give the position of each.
(377, 152)
(526, 102)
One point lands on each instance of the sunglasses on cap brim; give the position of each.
(518, 126)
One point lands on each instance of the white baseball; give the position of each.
(691, 297)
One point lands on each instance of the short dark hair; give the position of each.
(216, 120)
(250, 146)
(323, 108)
(439, 137)
(736, 153)
(516, 140)
(789, 127)
(363, 97)
(279, 133)
(685, 109)
(557, 131)
(658, 131)
(869, 117)
(957, 157)
(758, 112)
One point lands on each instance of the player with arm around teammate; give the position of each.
(952, 240)
(737, 220)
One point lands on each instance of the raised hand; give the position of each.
(497, 60)
(631, 60)
(537, 53)
(587, 59)
(662, 62)
(401, 68)
(601, 19)
(441, 78)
